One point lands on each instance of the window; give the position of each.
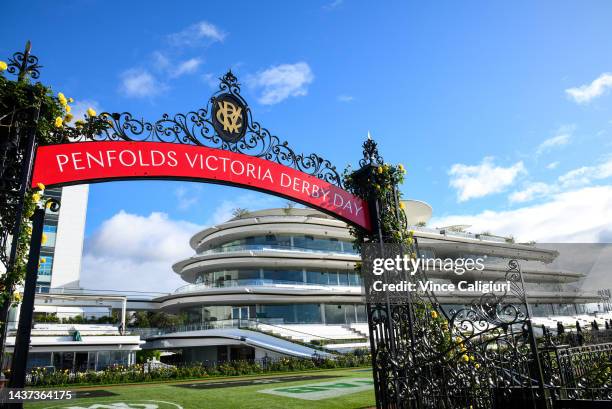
(284, 275)
(45, 265)
(50, 231)
(290, 313)
(317, 277)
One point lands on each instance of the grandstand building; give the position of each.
(283, 282)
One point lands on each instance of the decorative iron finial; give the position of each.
(230, 78)
(24, 64)
(370, 153)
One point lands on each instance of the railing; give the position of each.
(268, 247)
(261, 282)
(459, 234)
(259, 325)
(578, 373)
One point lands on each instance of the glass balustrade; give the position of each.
(354, 282)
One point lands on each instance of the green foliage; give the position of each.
(142, 373)
(26, 108)
(155, 319)
(145, 355)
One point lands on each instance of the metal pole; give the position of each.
(25, 182)
(123, 312)
(533, 343)
(26, 172)
(22, 341)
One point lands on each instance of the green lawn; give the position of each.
(337, 390)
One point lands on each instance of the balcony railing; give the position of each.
(272, 247)
(459, 234)
(262, 282)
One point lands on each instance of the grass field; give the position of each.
(345, 389)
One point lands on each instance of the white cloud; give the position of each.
(133, 252)
(533, 191)
(582, 176)
(557, 140)
(334, 4)
(552, 165)
(138, 83)
(210, 79)
(581, 215)
(586, 174)
(196, 34)
(346, 98)
(587, 92)
(473, 181)
(280, 82)
(186, 197)
(160, 60)
(186, 67)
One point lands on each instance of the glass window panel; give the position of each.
(336, 313)
(317, 277)
(45, 265)
(283, 275)
(362, 315)
(354, 278)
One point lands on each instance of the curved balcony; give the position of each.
(260, 282)
(273, 247)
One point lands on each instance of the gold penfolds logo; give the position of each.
(230, 116)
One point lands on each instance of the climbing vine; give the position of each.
(27, 108)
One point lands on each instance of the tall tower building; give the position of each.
(61, 255)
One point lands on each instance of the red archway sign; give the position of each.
(89, 162)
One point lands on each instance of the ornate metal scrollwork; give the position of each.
(197, 128)
(24, 64)
(370, 153)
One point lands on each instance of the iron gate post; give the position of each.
(390, 377)
(533, 343)
(28, 66)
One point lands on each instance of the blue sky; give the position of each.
(499, 110)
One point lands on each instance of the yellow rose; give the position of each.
(70, 100)
(59, 122)
(434, 314)
(62, 99)
(40, 186)
(380, 169)
(36, 197)
(68, 118)
(3, 66)
(91, 112)
(477, 366)
(465, 358)
(402, 205)
(68, 108)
